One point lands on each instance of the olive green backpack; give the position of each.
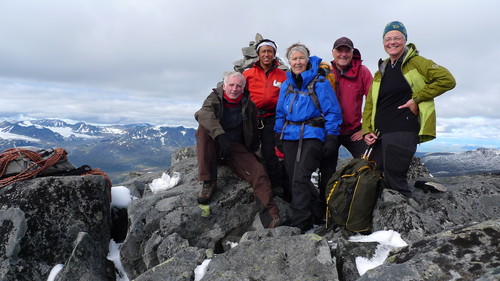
(351, 194)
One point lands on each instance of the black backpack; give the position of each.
(352, 192)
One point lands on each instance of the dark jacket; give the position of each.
(210, 114)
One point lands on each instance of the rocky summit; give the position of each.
(167, 235)
(55, 220)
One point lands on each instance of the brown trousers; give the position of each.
(244, 164)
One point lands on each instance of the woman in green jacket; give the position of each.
(400, 105)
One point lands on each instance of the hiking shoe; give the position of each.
(206, 192)
(427, 186)
(436, 187)
(274, 223)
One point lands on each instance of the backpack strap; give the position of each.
(314, 122)
(310, 92)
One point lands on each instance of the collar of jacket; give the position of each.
(410, 51)
(308, 75)
(220, 93)
(353, 68)
(275, 65)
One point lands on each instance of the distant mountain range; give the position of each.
(120, 149)
(480, 160)
(116, 149)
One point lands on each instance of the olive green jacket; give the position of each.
(427, 81)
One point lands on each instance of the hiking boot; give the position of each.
(206, 192)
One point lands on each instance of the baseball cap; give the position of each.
(343, 41)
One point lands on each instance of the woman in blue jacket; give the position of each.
(308, 119)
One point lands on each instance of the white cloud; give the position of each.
(155, 61)
(461, 134)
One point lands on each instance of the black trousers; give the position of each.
(304, 194)
(266, 135)
(393, 153)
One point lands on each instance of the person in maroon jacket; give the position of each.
(353, 81)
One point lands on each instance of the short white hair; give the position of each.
(230, 74)
(297, 47)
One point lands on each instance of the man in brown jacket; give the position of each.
(227, 134)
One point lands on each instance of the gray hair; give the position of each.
(230, 74)
(297, 47)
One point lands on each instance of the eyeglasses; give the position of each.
(396, 39)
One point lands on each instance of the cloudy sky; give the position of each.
(131, 61)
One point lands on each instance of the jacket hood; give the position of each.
(309, 74)
(219, 90)
(411, 51)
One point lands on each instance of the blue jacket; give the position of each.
(303, 108)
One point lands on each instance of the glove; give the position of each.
(278, 142)
(224, 147)
(331, 144)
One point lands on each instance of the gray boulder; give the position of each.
(85, 262)
(54, 220)
(464, 253)
(154, 217)
(179, 267)
(469, 199)
(296, 257)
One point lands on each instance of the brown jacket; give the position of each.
(210, 114)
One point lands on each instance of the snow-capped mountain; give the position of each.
(476, 161)
(119, 149)
(116, 149)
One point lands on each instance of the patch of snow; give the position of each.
(165, 182)
(67, 132)
(114, 256)
(200, 270)
(231, 244)
(115, 131)
(10, 136)
(387, 239)
(55, 270)
(120, 196)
